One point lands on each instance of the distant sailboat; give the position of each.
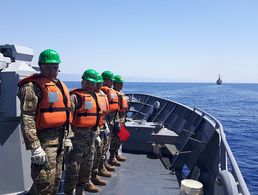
(219, 81)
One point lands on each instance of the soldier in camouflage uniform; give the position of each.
(45, 110)
(104, 168)
(112, 116)
(123, 106)
(79, 160)
(103, 135)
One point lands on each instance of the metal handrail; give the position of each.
(225, 152)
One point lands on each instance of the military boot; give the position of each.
(112, 160)
(121, 158)
(90, 187)
(78, 191)
(96, 180)
(109, 167)
(104, 172)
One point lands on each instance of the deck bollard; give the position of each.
(191, 187)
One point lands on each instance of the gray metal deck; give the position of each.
(141, 175)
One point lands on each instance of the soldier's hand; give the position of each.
(107, 132)
(38, 156)
(107, 128)
(68, 145)
(98, 140)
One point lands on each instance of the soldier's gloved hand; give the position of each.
(68, 145)
(98, 141)
(107, 132)
(38, 156)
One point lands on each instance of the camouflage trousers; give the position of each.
(79, 160)
(46, 178)
(106, 139)
(115, 140)
(98, 153)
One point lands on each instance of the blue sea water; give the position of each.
(234, 105)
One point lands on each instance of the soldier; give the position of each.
(112, 116)
(79, 160)
(101, 144)
(45, 110)
(123, 106)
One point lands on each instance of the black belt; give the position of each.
(87, 114)
(51, 109)
(113, 102)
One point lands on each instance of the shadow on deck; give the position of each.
(140, 175)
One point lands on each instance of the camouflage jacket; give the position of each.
(30, 94)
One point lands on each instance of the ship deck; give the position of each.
(140, 174)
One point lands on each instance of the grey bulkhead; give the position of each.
(15, 64)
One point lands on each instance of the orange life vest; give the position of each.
(86, 115)
(51, 111)
(104, 107)
(123, 104)
(112, 98)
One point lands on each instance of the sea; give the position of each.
(234, 105)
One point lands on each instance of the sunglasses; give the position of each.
(51, 67)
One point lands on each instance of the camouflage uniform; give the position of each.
(45, 178)
(105, 138)
(102, 146)
(98, 151)
(79, 160)
(116, 142)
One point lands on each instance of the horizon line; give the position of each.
(183, 82)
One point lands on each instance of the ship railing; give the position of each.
(224, 149)
(226, 153)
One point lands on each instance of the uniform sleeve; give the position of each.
(29, 95)
(74, 103)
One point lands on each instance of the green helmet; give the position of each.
(100, 79)
(118, 79)
(90, 75)
(107, 75)
(49, 56)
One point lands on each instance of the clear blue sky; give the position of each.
(143, 40)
